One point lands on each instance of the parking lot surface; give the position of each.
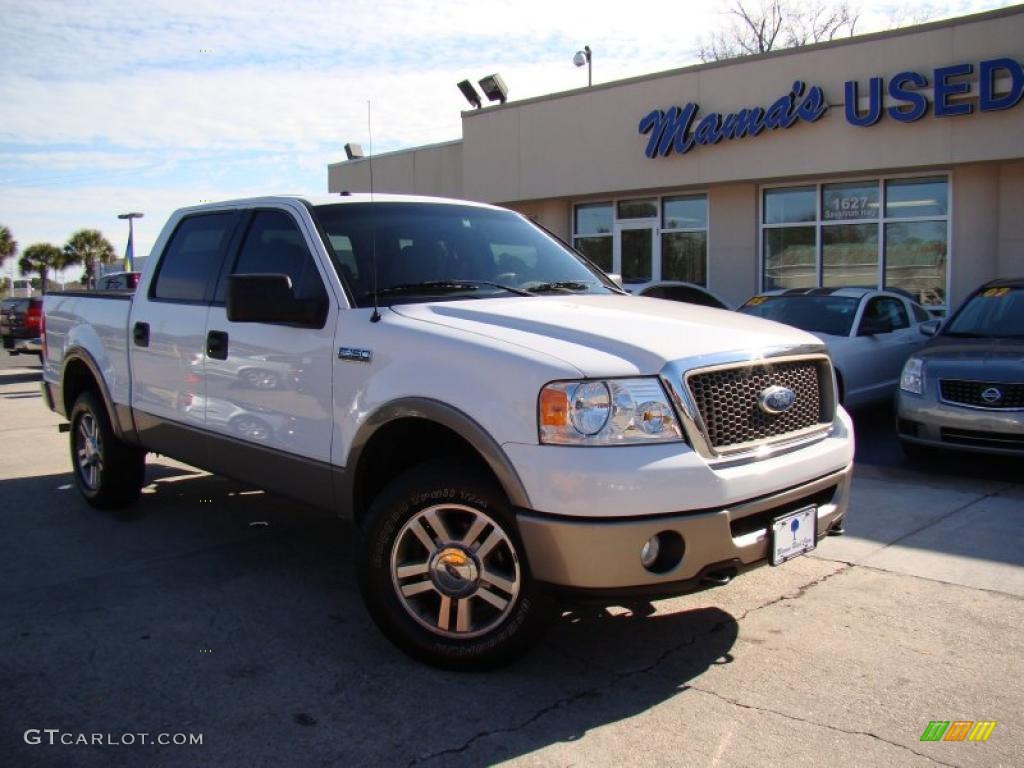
(212, 608)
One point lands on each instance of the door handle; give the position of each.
(217, 345)
(140, 334)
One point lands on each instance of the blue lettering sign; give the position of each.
(670, 130)
(911, 104)
(944, 89)
(851, 98)
(898, 91)
(987, 100)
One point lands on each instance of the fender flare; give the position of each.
(446, 416)
(120, 417)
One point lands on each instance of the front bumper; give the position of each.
(602, 557)
(928, 421)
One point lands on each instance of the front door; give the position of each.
(268, 385)
(636, 254)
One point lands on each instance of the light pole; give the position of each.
(129, 252)
(581, 58)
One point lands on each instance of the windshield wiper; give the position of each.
(564, 286)
(445, 286)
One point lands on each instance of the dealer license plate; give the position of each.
(794, 534)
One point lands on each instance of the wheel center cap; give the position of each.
(454, 572)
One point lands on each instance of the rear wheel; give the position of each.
(442, 570)
(109, 473)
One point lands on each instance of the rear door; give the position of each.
(167, 334)
(269, 385)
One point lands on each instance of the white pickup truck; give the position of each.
(500, 422)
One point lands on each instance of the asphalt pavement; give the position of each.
(217, 610)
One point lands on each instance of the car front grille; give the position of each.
(728, 401)
(973, 393)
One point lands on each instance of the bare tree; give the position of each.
(765, 25)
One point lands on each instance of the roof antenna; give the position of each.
(375, 317)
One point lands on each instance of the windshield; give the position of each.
(818, 314)
(995, 312)
(436, 251)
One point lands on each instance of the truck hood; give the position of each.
(611, 335)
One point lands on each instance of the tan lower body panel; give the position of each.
(598, 554)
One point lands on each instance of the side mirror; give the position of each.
(268, 298)
(872, 326)
(617, 279)
(929, 327)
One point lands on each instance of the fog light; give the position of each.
(649, 553)
(663, 552)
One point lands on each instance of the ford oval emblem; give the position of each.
(776, 400)
(992, 395)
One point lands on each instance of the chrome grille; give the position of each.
(970, 393)
(727, 399)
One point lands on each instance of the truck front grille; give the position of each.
(728, 401)
(1000, 395)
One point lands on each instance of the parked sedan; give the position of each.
(965, 388)
(869, 333)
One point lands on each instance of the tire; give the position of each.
(416, 593)
(109, 473)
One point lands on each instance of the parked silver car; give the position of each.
(869, 333)
(965, 389)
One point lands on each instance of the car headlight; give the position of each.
(912, 378)
(608, 412)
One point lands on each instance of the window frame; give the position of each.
(881, 220)
(654, 222)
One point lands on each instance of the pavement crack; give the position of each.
(618, 677)
(795, 718)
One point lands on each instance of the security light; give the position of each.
(581, 58)
(494, 88)
(470, 93)
(354, 151)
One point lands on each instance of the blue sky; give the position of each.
(116, 106)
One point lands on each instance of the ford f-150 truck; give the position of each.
(502, 424)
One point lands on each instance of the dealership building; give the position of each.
(893, 159)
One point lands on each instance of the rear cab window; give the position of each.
(193, 258)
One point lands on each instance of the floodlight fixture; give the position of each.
(470, 93)
(354, 151)
(494, 88)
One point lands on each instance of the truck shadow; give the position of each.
(221, 610)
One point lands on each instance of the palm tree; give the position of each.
(41, 258)
(88, 247)
(8, 245)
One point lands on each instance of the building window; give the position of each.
(646, 239)
(888, 232)
(593, 232)
(684, 239)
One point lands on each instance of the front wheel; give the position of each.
(109, 473)
(442, 571)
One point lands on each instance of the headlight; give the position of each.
(912, 378)
(611, 412)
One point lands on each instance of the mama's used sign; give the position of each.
(1000, 86)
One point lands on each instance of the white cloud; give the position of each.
(112, 105)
